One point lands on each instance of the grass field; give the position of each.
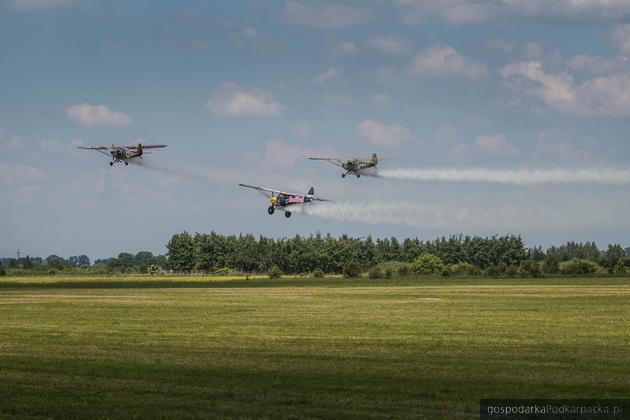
(307, 348)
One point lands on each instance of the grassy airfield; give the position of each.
(83, 348)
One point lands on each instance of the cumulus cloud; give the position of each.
(621, 38)
(16, 174)
(495, 145)
(440, 61)
(381, 100)
(91, 116)
(381, 134)
(498, 44)
(234, 101)
(389, 44)
(323, 15)
(596, 65)
(29, 5)
(473, 11)
(347, 47)
(328, 76)
(8, 141)
(605, 96)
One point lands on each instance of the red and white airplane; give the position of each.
(123, 153)
(282, 199)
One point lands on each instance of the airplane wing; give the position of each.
(93, 147)
(148, 146)
(268, 192)
(334, 161)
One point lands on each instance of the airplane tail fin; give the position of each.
(311, 191)
(374, 159)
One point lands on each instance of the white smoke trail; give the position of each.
(521, 177)
(452, 216)
(186, 171)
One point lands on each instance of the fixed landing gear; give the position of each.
(126, 163)
(111, 163)
(287, 214)
(358, 175)
(343, 175)
(271, 209)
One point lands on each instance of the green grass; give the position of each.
(307, 347)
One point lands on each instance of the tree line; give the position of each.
(214, 253)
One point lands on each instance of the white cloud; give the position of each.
(381, 100)
(328, 76)
(552, 148)
(347, 47)
(335, 99)
(322, 15)
(11, 174)
(389, 44)
(607, 96)
(28, 5)
(9, 141)
(472, 11)
(89, 115)
(381, 134)
(495, 145)
(596, 65)
(235, 101)
(499, 44)
(532, 50)
(302, 128)
(439, 61)
(621, 38)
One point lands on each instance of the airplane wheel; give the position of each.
(287, 214)
(111, 163)
(126, 163)
(270, 210)
(343, 175)
(358, 176)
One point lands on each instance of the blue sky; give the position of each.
(245, 91)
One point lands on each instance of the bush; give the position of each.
(578, 266)
(52, 271)
(465, 269)
(155, 270)
(427, 264)
(351, 269)
(223, 271)
(531, 268)
(446, 271)
(389, 272)
(551, 264)
(494, 270)
(375, 273)
(403, 270)
(511, 270)
(620, 267)
(2, 272)
(274, 272)
(317, 273)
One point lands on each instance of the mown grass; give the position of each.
(307, 347)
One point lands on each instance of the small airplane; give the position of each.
(282, 199)
(123, 153)
(354, 166)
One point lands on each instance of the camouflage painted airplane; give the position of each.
(354, 166)
(123, 153)
(282, 200)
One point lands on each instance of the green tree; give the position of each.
(274, 272)
(551, 263)
(55, 261)
(427, 264)
(620, 267)
(180, 252)
(351, 269)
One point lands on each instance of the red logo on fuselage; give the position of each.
(296, 199)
